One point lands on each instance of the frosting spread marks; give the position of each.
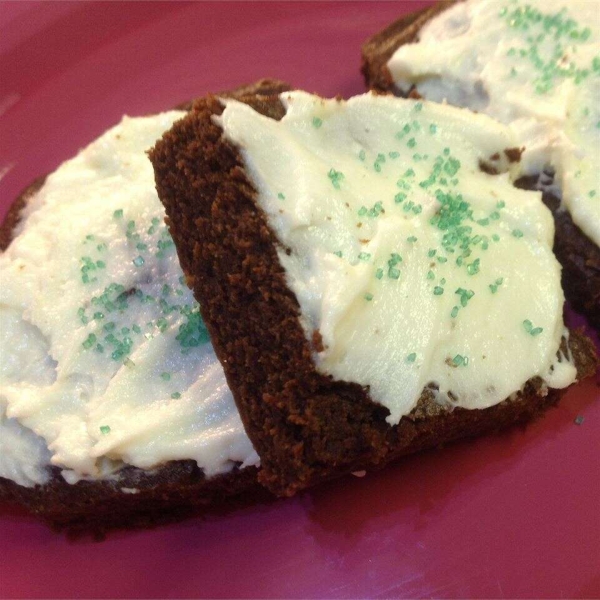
(417, 267)
(105, 358)
(534, 65)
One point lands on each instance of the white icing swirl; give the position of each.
(416, 267)
(104, 359)
(534, 65)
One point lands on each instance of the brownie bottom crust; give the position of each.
(134, 498)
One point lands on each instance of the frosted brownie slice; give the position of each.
(369, 289)
(536, 67)
(114, 409)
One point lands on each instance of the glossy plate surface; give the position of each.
(513, 515)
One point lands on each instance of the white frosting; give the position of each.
(533, 65)
(92, 303)
(332, 179)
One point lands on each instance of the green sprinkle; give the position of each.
(336, 178)
(193, 332)
(454, 312)
(452, 166)
(411, 239)
(465, 296)
(104, 429)
(517, 233)
(431, 252)
(175, 395)
(395, 258)
(100, 264)
(473, 268)
(418, 106)
(376, 210)
(362, 155)
(379, 273)
(494, 286)
(411, 357)
(338, 253)
(393, 273)
(411, 143)
(118, 214)
(460, 360)
(368, 297)
(409, 173)
(281, 196)
(364, 256)
(362, 211)
(438, 291)
(432, 128)
(430, 275)
(317, 122)
(530, 329)
(500, 204)
(136, 329)
(89, 341)
(592, 193)
(394, 154)
(139, 261)
(165, 376)
(399, 197)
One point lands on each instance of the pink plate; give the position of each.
(513, 515)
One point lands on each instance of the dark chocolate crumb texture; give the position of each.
(114, 410)
(369, 289)
(535, 66)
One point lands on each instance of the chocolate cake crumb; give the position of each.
(514, 154)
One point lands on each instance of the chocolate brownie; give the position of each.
(132, 497)
(578, 254)
(305, 425)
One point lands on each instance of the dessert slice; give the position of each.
(370, 288)
(114, 409)
(535, 66)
